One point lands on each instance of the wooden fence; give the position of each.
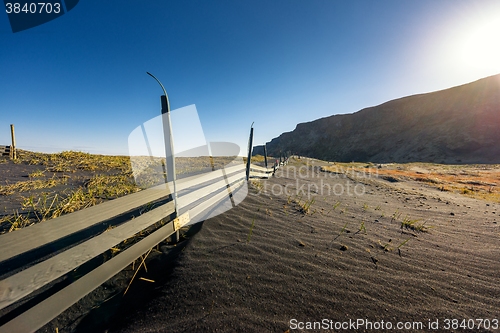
(5, 150)
(10, 150)
(53, 249)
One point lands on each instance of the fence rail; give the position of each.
(197, 196)
(17, 245)
(34, 258)
(5, 150)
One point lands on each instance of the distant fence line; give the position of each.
(89, 233)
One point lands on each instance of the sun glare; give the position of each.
(479, 49)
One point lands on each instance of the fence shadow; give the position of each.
(111, 314)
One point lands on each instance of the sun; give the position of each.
(479, 46)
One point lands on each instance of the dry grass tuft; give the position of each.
(29, 185)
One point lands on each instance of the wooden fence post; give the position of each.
(169, 154)
(265, 155)
(13, 153)
(250, 142)
(169, 149)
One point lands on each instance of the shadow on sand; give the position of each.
(111, 314)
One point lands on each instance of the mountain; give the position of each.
(456, 125)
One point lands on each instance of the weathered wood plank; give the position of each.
(259, 168)
(199, 179)
(35, 277)
(208, 204)
(254, 174)
(260, 172)
(20, 241)
(45, 311)
(207, 190)
(27, 239)
(29, 280)
(4, 150)
(25, 282)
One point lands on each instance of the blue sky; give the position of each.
(79, 82)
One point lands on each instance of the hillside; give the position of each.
(456, 125)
